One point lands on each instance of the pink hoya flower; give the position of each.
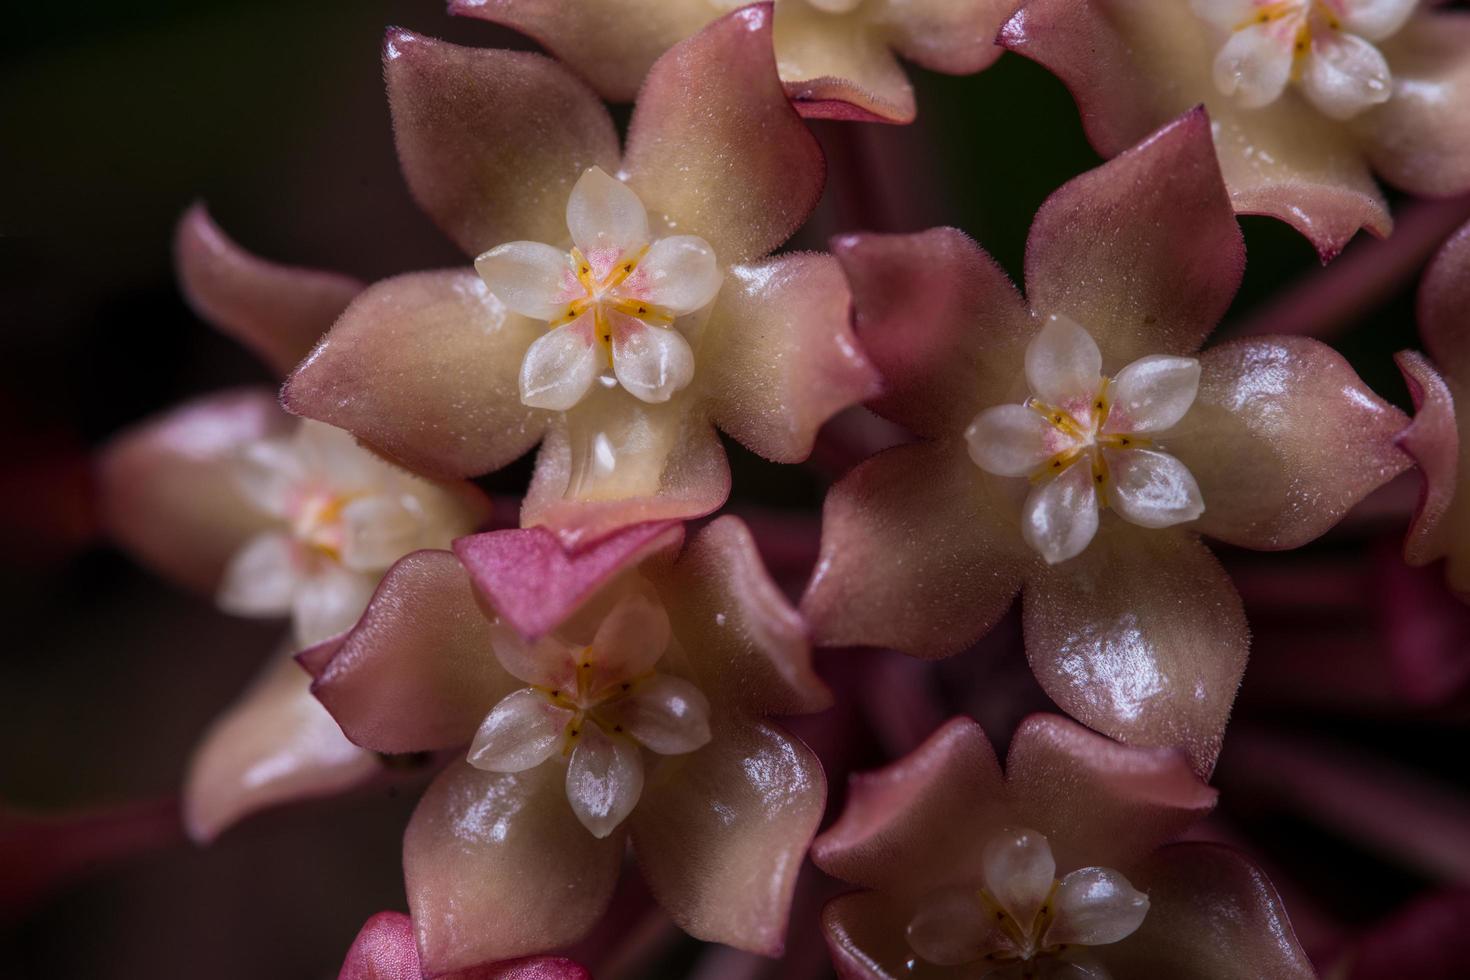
(1073, 445)
(625, 308)
(275, 517)
(1437, 439)
(1060, 868)
(385, 950)
(606, 694)
(1308, 97)
(835, 57)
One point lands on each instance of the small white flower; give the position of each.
(610, 302)
(1325, 46)
(1085, 440)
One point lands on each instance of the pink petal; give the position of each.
(1132, 68)
(780, 354)
(534, 581)
(275, 745)
(425, 368)
(418, 670)
(916, 555)
(496, 865)
(612, 45)
(277, 311)
(748, 647)
(629, 641)
(865, 935)
(839, 66)
(167, 490)
(1144, 251)
(1443, 295)
(666, 464)
(1140, 637)
(953, 36)
(940, 320)
(384, 950)
(1433, 442)
(1283, 439)
(490, 141)
(898, 832)
(1098, 802)
(720, 834)
(1420, 139)
(1213, 915)
(714, 145)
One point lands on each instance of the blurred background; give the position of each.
(1344, 772)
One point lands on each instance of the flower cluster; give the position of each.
(602, 679)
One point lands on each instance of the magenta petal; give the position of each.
(384, 950)
(424, 368)
(1144, 251)
(1141, 637)
(491, 142)
(277, 311)
(714, 145)
(1213, 915)
(940, 321)
(782, 356)
(417, 672)
(1433, 441)
(534, 582)
(167, 493)
(275, 745)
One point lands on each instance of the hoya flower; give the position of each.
(384, 950)
(836, 57)
(626, 308)
(1059, 867)
(1308, 97)
(1074, 444)
(1437, 439)
(230, 496)
(600, 696)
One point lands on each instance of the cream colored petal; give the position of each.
(1152, 393)
(652, 363)
(1019, 871)
(1375, 20)
(1094, 907)
(1255, 63)
(664, 713)
(629, 641)
(329, 602)
(379, 530)
(1063, 364)
(1011, 440)
(1059, 518)
(528, 277)
(262, 577)
(268, 474)
(520, 732)
(680, 273)
(604, 779)
(561, 366)
(1344, 75)
(954, 926)
(1152, 489)
(604, 215)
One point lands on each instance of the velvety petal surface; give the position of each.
(748, 647)
(418, 670)
(1142, 272)
(496, 865)
(780, 355)
(916, 554)
(275, 745)
(534, 581)
(1283, 439)
(1420, 138)
(492, 141)
(715, 149)
(167, 492)
(1141, 637)
(425, 369)
(277, 311)
(720, 834)
(837, 65)
(898, 832)
(940, 321)
(1212, 915)
(385, 950)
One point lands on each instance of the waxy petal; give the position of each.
(1010, 440)
(605, 216)
(168, 492)
(1095, 906)
(560, 366)
(1420, 139)
(417, 671)
(865, 933)
(1018, 869)
(262, 578)
(491, 142)
(424, 368)
(1212, 915)
(715, 148)
(1433, 441)
(1143, 273)
(1142, 638)
(666, 714)
(898, 832)
(545, 662)
(955, 926)
(748, 647)
(277, 311)
(275, 745)
(651, 363)
(1063, 364)
(328, 601)
(629, 641)
(1151, 489)
(520, 732)
(916, 555)
(839, 66)
(1254, 64)
(1060, 516)
(380, 529)
(680, 273)
(1345, 75)
(941, 322)
(535, 582)
(1152, 393)
(721, 833)
(1283, 439)
(385, 950)
(528, 277)
(1443, 297)
(604, 779)
(780, 354)
(1376, 20)
(953, 36)
(496, 865)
